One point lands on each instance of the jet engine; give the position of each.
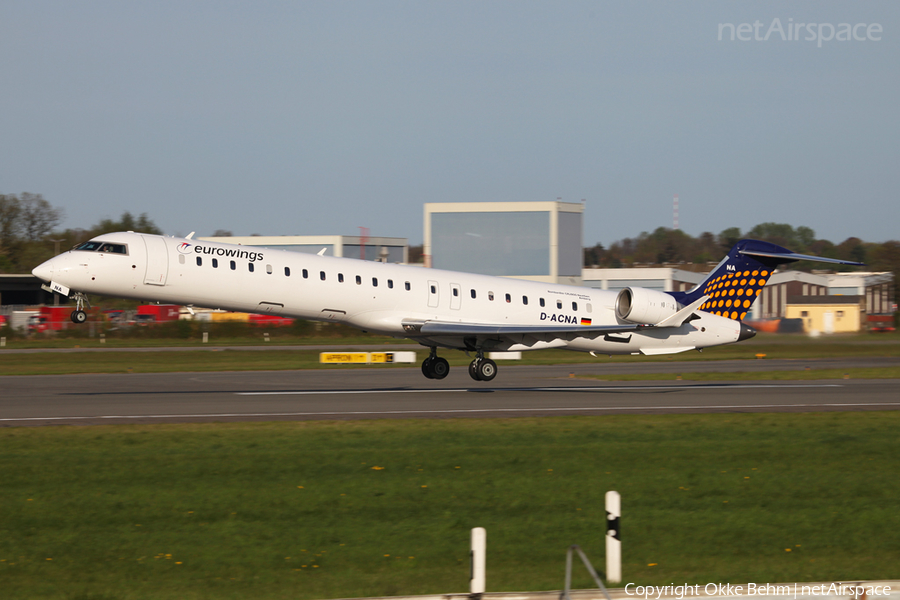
(640, 305)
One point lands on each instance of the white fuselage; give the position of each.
(369, 295)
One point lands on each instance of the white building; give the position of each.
(540, 241)
(394, 250)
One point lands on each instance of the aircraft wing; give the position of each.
(487, 335)
(465, 329)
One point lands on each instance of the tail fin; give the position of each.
(736, 281)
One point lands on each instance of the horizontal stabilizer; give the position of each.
(786, 257)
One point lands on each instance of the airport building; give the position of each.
(539, 241)
(858, 297)
(386, 249)
(663, 279)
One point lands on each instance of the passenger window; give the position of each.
(525, 300)
(287, 271)
(472, 292)
(269, 269)
(358, 280)
(181, 258)
(322, 275)
(559, 304)
(250, 267)
(407, 286)
(305, 274)
(199, 261)
(233, 266)
(574, 306)
(374, 282)
(508, 298)
(541, 302)
(390, 284)
(491, 296)
(215, 263)
(588, 307)
(340, 278)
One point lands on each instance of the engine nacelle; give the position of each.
(640, 305)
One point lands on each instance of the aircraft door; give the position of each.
(455, 296)
(157, 260)
(433, 294)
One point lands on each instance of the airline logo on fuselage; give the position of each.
(188, 248)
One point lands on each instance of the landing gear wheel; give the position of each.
(435, 367)
(486, 369)
(439, 368)
(79, 316)
(426, 368)
(473, 370)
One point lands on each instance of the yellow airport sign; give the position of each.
(344, 358)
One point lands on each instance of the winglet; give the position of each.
(321, 252)
(678, 319)
(190, 236)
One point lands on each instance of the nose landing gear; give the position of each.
(78, 315)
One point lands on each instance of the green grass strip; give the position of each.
(367, 508)
(236, 359)
(800, 374)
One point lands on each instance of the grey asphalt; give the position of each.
(403, 393)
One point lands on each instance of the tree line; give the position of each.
(674, 247)
(29, 232)
(29, 235)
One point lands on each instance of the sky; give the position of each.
(309, 118)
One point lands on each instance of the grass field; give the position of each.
(319, 510)
(201, 358)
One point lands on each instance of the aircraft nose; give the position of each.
(747, 332)
(44, 271)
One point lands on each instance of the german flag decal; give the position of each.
(585, 321)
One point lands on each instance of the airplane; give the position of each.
(436, 308)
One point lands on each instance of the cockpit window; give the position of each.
(108, 247)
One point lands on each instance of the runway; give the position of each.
(376, 393)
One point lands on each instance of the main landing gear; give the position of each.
(78, 315)
(480, 369)
(435, 367)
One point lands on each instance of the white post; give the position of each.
(478, 554)
(613, 539)
(205, 337)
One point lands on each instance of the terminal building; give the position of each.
(540, 241)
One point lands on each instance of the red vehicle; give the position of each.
(270, 321)
(53, 318)
(160, 313)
